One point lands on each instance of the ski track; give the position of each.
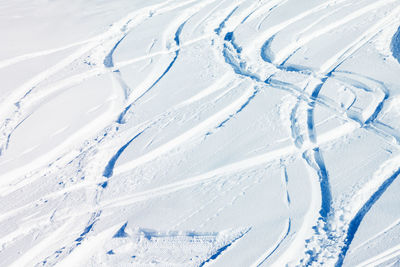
(395, 45)
(286, 52)
(285, 234)
(222, 249)
(396, 223)
(272, 250)
(356, 221)
(313, 233)
(318, 164)
(382, 258)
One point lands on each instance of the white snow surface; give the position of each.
(200, 133)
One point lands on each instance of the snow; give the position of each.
(199, 133)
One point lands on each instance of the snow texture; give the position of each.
(200, 133)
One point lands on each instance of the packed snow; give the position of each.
(200, 133)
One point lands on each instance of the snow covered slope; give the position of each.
(200, 133)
